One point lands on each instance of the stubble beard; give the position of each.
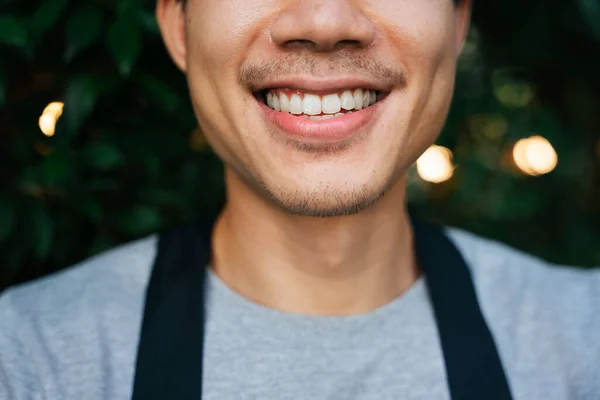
(326, 202)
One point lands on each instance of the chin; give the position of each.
(325, 202)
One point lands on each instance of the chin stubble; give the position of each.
(338, 204)
(326, 203)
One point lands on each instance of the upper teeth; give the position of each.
(312, 104)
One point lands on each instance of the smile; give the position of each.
(318, 107)
(321, 115)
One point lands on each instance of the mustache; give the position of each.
(257, 75)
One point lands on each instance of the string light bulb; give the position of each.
(535, 156)
(49, 118)
(435, 165)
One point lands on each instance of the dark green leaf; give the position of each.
(147, 21)
(83, 29)
(93, 210)
(124, 44)
(590, 10)
(7, 217)
(13, 32)
(103, 156)
(58, 167)
(127, 6)
(160, 93)
(81, 95)
(140, 220)
(46, 15)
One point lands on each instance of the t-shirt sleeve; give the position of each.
(569, 304)
(18, 380)
(587, 323)
(545, 318)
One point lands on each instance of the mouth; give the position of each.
(321, 111)
(317, 106)
(321, 118)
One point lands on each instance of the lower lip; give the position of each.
(324, 131)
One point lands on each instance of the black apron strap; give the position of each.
(473, 366)
(170, 354)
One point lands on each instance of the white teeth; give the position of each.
(295, 104)
(311, 104)
(331, 104)
(366, 98)
(329, 116)
(358, 99)
(276, 105)
(284, 103)
(339, 115)
(316, 117)
(347, 100)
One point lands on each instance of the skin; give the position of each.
(320, 229)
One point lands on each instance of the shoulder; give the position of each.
(77, 321)
(545, 317)
(92, 281)
(499, 270)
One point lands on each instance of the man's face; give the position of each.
(318, 105)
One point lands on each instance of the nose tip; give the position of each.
(322, 25)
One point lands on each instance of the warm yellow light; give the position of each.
(55, 109)
(535, 156)
(520, 157)
(47, 124)
(49, 117)
(435, 165)
(541, 155)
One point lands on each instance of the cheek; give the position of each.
(421, 36)
(419, 33)
(219, 31)
(219, 34)
(411, 15)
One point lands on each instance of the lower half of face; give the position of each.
(320, 148)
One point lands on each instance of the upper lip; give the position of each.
(322, 84)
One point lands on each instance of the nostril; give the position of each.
(322, 26)
(347, 43)
(300, 44)
(311, 45)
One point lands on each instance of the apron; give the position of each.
(170, 354)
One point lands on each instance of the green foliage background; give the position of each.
(127, 158)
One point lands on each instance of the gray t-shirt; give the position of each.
(74, 335)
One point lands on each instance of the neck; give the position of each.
(320, 266)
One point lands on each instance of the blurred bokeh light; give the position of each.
(435, 165)
(535, 156)
(49, 118)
